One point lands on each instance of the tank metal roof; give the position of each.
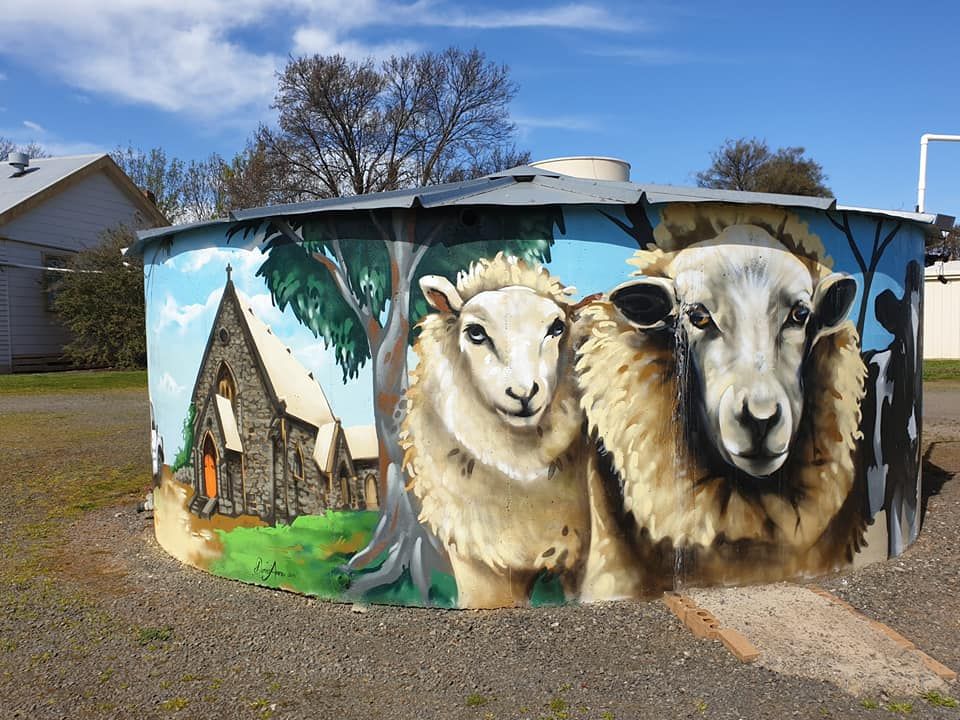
(529, 186)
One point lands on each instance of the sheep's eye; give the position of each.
(476, 334)
(556, 328)
(799, 314)
(700, 317)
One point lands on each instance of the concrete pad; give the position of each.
(804, 634)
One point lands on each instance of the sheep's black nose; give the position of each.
(524, 399)
(759, 427)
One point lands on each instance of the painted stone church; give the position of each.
(266, 441)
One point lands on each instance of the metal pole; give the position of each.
(922, 184)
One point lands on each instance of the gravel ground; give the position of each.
(110, 626)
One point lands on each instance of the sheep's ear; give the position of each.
(441, 294)
(647, 303)
(832, 301)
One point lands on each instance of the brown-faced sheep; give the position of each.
(493, 430)
(723, 387)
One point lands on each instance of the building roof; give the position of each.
(291, 382)
(324, 446)
(362, 441)
(228, 422)
(528, 186)
(43, 178)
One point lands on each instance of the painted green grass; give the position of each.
(73, 381)
(934, 370)
(305, 556)
(309, 555)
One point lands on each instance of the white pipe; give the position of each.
(922, 185)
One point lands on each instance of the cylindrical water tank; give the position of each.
(528, 388)
(586, 166)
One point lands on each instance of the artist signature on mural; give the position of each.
(265, 571)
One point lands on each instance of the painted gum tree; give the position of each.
(352, 278)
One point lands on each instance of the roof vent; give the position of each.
(18, 160)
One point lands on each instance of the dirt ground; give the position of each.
(97, 621)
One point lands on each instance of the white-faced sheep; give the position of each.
(493, 430)
(723, 386)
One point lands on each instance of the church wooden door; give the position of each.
(209, 468)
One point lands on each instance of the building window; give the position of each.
(224, 335)
(297, 465)
(226, 385)
(51, 278)
(346, 494)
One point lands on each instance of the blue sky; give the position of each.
(658, 84)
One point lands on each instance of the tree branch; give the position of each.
(887, 240)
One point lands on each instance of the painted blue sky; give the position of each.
(658, 84)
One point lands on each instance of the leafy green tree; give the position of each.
(99, 298)
(184, 456)
(353, 280)
(748, 164)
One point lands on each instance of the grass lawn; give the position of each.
(73, 381)
(941, 370)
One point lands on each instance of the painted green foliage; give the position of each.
(184, 456)
(358, 244)
(309, 555)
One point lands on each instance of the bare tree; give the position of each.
(354, 127)
(183, 191)
(748, 164)
(32, 149)
(251, 179)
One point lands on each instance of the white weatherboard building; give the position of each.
(941, 311)
(50, 209)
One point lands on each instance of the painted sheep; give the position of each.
(493, 431)
(723, 387)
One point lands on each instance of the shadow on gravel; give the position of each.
(933, 479)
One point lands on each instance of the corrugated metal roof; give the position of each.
(935, 220)
(520, 186)
(16, 187)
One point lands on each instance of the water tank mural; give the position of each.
(512, 400)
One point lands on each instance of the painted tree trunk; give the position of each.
(399, 534)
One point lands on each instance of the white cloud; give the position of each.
(310, 40)
(31, 125)
(171, 313)
(645, 55)
(169, 385)
(189, 57)
(555, 122)
(580, 16)
(51, 142)
(243, 263)
(175, 56)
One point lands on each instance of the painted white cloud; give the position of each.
(31, 125)
(183, 316)
(169, 385)
(191, 57)
(242, 262)
(263, 307)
